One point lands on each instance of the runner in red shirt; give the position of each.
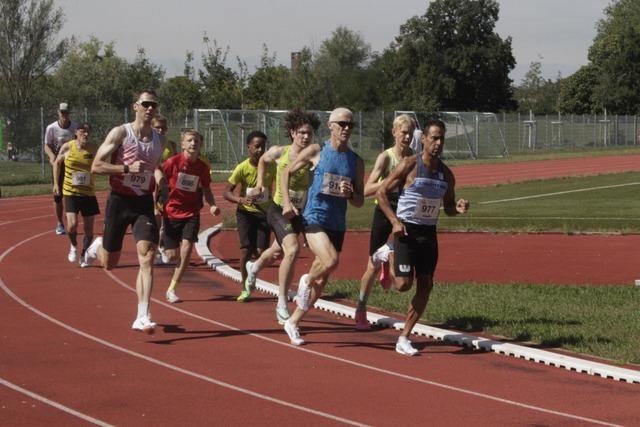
(188, 180)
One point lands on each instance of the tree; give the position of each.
(450, 58)
(615, 54)
(301, 84)
(142, 73)
(27, 47)
(338, 67)
(181, 93)
(576, 91)
(219, 82)
(536, 93)
(266, 85)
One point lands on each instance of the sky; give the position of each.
(557, 33)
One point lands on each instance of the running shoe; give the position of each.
(250, 281)
(381, 255)
(361, 320)
(73, 254)
(60, 229)
(172, 297)
(282, 314)
(244, 296)
(144, 324)
(403, 346)
(83, 260)
(163, 256)
(304, 291)
(91, 253)
(294, 333)
(385, 276)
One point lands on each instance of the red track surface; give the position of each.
(65, 337)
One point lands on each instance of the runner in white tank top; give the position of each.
(427, 183)
(130, 155)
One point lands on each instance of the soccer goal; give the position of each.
(469, 134)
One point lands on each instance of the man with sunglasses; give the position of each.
(338, 177)
(130, 155)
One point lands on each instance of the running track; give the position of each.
(69, 358)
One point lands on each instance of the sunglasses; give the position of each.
(344, 124)
(147, 104)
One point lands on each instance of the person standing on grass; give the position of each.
(253, 230)
(188, 180)
(130, 155)
(56, 134)
(301, 126)
(78, 188)
(402, 131)
(427, 183)
(338, 177)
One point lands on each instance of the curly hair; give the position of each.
(298, 117)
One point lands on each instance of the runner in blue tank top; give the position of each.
(427, 183)
(338, 177)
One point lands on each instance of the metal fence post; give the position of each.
(42, 141)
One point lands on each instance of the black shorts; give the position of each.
(418, 250)
(281, 225)
(380, 230)
(86, 205)
(253, 230)
(58, 198)
(123, 211)
(335, 237)
(176, 230)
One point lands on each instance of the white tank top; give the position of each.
(131, 150)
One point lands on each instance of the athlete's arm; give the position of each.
(357, 195)
(48, 143)
(308, 155)
(211, 201)
(451, 207)
(397, 177)
(57, 165)
(271, 156)
(372, 185)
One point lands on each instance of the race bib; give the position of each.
(298, 198)
(80, 178)
(427, 208)
(187, 182)
(138, 181)
(331, 184)
(259, 197)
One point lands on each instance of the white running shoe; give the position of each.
(381, 255)
(282, 314)
(172, 297)
(163, 256)
(304, 291)
(73, 254)
(144, 324)
(91, 253)
(294, 333)
(83, 261)
(60, 229)
(250, 282)
(403, 346)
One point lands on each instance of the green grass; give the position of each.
(600, 321)
(611, 210)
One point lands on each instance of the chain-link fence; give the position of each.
(469, 134)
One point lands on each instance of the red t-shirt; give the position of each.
(185, 181)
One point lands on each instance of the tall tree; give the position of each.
(576, 91)
(536, 93)
(338, 67)
(615, 53)
(450, 58)
(266, 85)
(181, 93)
(28, 47)
(219, 82)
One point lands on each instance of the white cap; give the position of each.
(64, 106)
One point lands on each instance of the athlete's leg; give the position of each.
(424, 285)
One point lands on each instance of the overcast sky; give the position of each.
(558, 31)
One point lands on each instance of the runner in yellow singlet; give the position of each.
(78, 187)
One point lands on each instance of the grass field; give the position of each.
(600, 321)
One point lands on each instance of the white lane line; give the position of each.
(557, 193)
(70, 328)
(24, 219)
(529, 218)
(54, 404)
(369, 367)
